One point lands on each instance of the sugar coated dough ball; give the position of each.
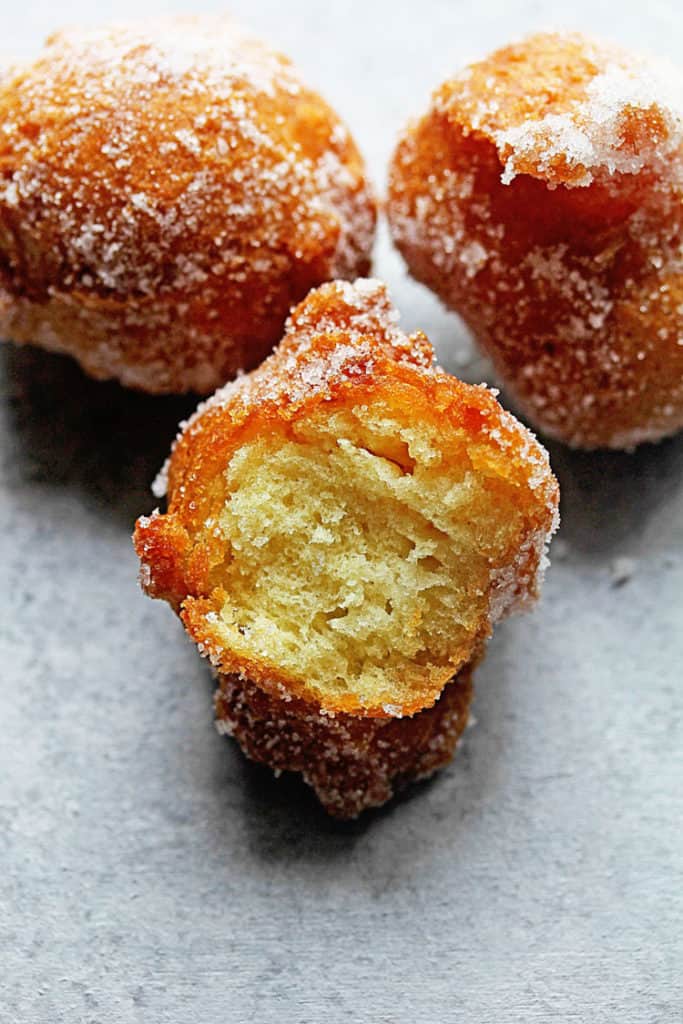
(346, 523)
(541, 198)
(344, 526)
(168, 190)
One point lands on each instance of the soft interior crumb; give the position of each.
(354, 558)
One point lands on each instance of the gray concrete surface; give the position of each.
(149, 874)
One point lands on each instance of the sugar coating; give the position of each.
(589, 138)
(368, 314)
(586, 127)
(351, 763)
(298, 371)
(541, 198)
(169, 189)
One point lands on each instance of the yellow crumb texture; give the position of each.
(359, 556)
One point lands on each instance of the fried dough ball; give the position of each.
(168, 190)
(345, 523)
(541, 198)
(351, 762)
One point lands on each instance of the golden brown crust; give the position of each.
(352, 763)
(541, 197)
(341, 348)
(168, 190)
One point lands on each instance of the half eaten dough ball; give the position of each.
(345, 524)
(168, 190)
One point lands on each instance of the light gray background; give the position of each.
(149, 874)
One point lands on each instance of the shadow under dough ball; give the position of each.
(345, 524)
(168, 190)
(540, 197)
